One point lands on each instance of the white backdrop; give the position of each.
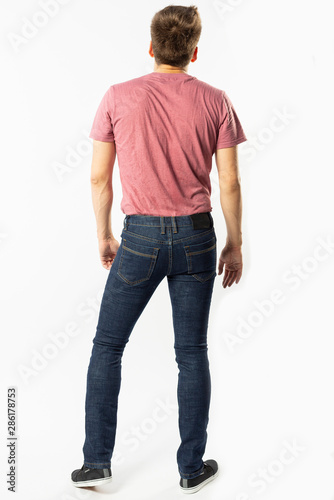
(270, 336)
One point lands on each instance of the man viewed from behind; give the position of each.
(165, 127)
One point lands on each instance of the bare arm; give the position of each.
(230, 193)
(231, 203)
(104, 155)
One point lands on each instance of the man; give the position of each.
(165, 127)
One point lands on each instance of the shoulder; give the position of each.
(210, 89)
(129, 84)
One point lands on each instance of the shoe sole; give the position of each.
(194, 489)
(92, 482)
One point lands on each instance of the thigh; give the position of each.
(191, 303)
(191, 285)
(130, 284)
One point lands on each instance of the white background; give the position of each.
(272, 379)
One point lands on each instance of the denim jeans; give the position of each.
(183, 248)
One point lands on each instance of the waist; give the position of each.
(200, 220)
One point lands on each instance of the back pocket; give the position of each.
(202, 259)
(136, 262)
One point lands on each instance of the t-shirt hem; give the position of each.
(231, 143)
(171, 213)
(100, 137)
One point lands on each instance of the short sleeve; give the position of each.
(102, 129)
(230, 131)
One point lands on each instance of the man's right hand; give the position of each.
(231, 258)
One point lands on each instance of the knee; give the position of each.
(109, 345)
(191, 356)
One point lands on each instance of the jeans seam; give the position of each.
(100, 463)
(152, 257)
(175, 242)
(206, 278)
(196, 473)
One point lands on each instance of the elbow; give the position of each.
(98, 180)
(230, 184)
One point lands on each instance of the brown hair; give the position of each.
(175, 32)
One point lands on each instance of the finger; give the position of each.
(231, 278)
(226, 277)
(239, 273)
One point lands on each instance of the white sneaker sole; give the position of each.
(93, 482)
(199, 486)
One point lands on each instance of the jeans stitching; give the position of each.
(181, 240)
(140, 253)
(201, 251)
(152, 257)
(197, 473)
(92, 463)
(206, 278)
(159, 225)
(170, 258)
(190, 264)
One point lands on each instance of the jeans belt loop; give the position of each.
(162, 225)
(174, 224)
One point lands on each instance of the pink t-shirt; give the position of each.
(166, 128)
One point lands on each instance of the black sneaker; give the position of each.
(209, 473)
(90, 477)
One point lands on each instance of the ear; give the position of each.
(195, 55)
(150, 50)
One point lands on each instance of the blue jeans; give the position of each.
(183, 248)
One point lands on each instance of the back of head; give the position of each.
(175, 32)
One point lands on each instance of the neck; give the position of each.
(166, 68)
